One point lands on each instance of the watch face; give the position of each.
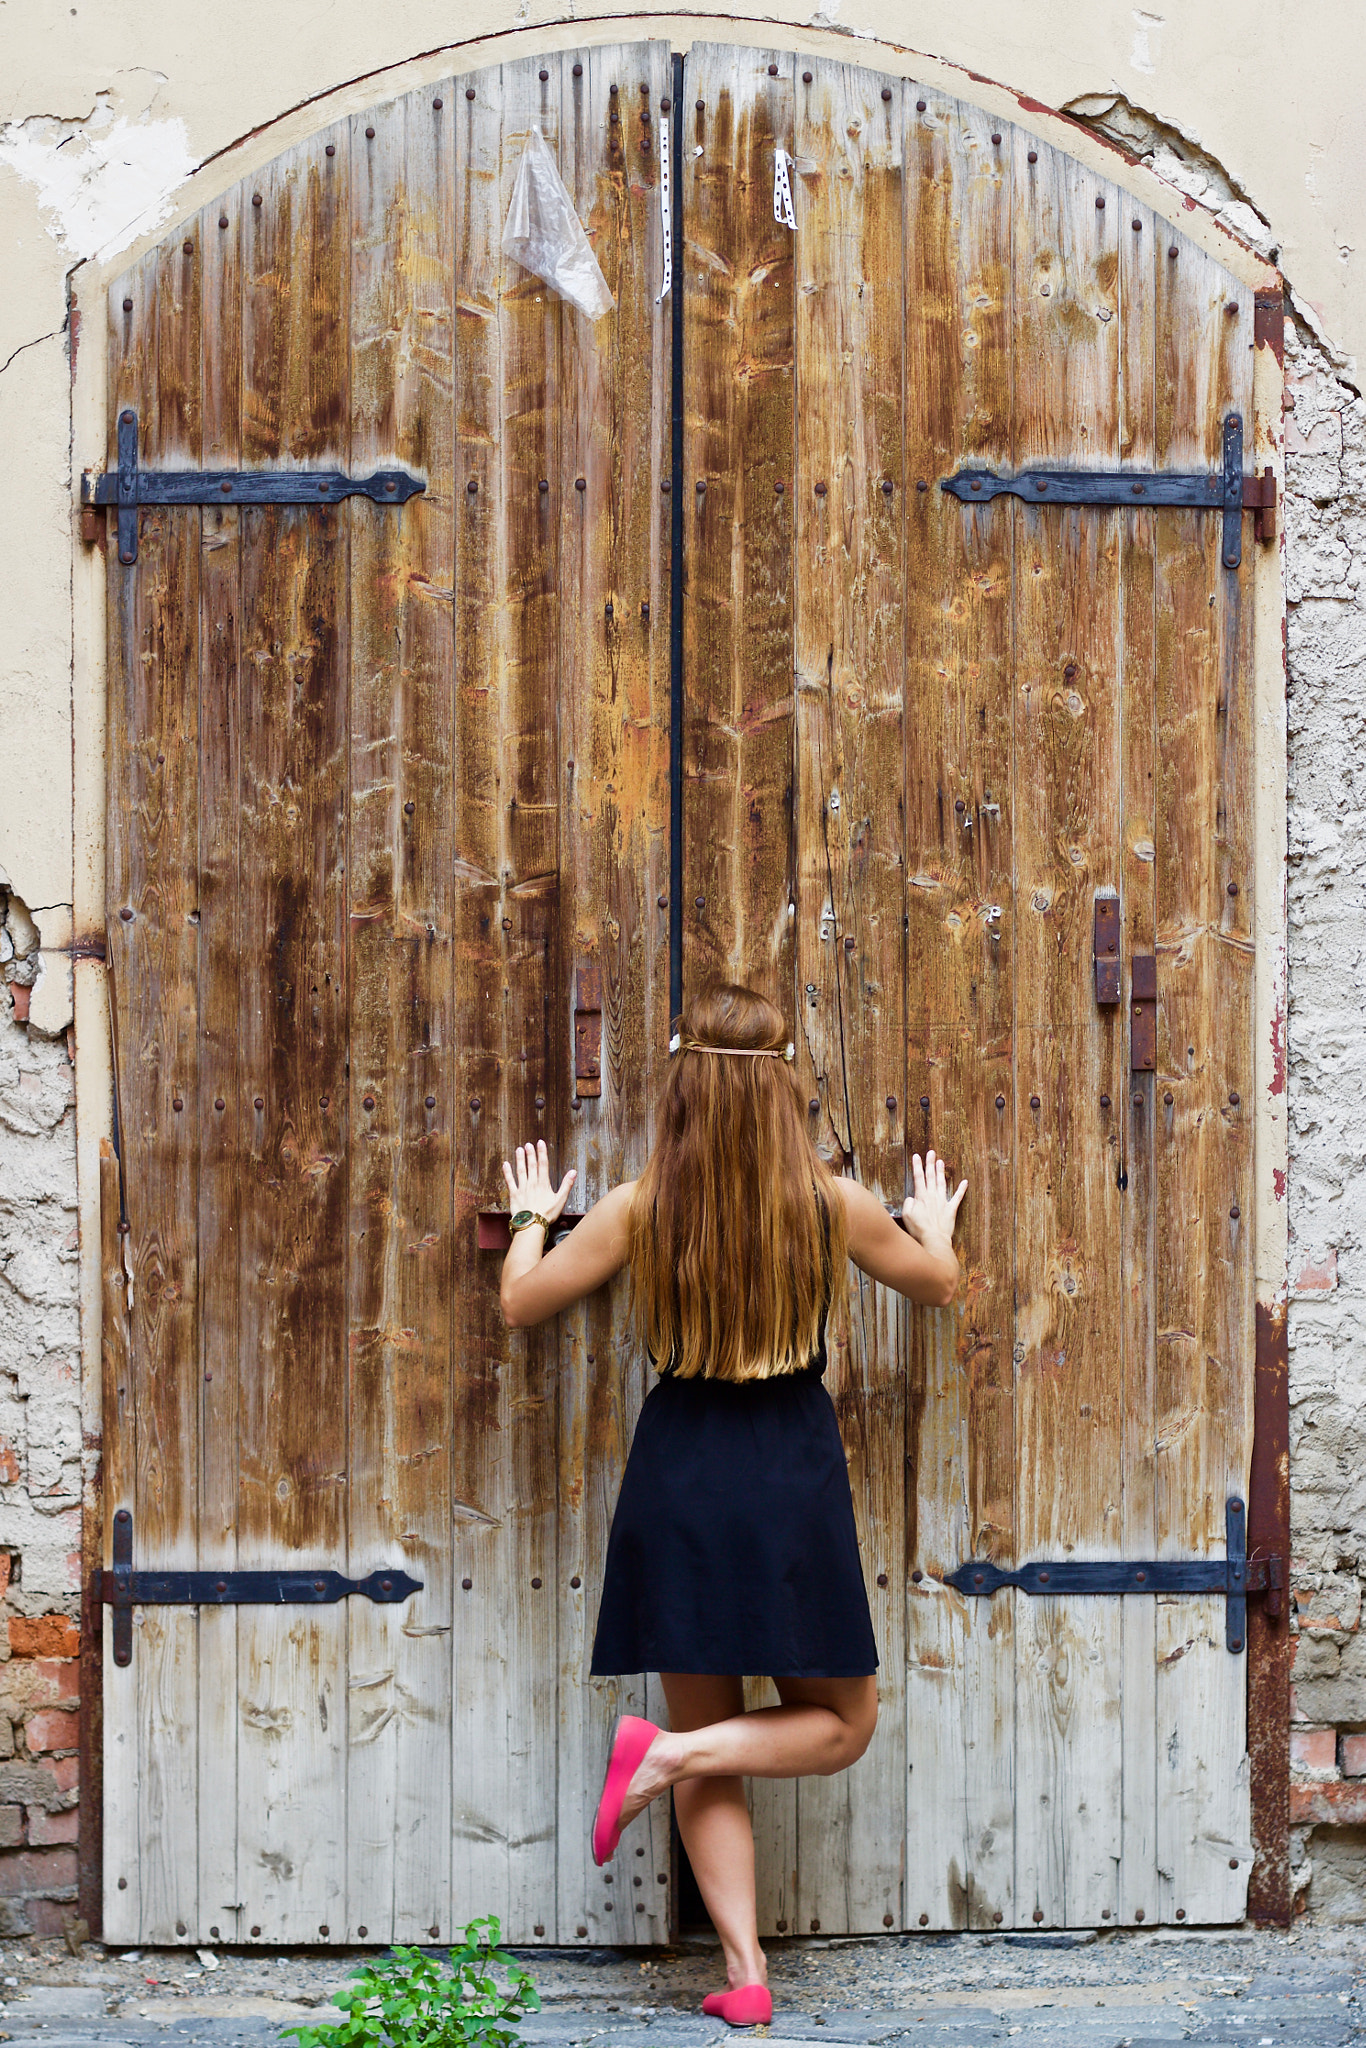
(522, 1218)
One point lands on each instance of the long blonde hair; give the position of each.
(737, 1232)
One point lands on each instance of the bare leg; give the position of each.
(823, 1725)
(713, 1819)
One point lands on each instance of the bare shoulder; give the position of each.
(861, 1206)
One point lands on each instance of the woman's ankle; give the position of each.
(746, 1969)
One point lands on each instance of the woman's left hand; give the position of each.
(531, 1187)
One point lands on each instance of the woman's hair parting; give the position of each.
(736, 1227)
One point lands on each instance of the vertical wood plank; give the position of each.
(220, 1105)
(400, 1008)
(1069, 1407)
(1129, 1124)
(614, 739)
(737, 270)
(292, 1062)
(510, 1063)
(961, 918)
(132, 384)
(737, 481)
(848, 772)
(1205, 1342)
(153, 902)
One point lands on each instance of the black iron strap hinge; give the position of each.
(1235, 1576)
(130, 488)
(1229, 492)
(123, 1589)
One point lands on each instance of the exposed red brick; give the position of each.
(47, 1830)
(1318, 1276)
(20, 998)
(11, 1827)
(1339, 1804)
(1354, 1756)
(49, 1916)
(44, 1635)
(36, 1870)
(53, 1728)
(1311, 1749)
(66, 1771)
(5, 1557)
(9, 1464)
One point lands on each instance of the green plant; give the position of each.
(408, 2000)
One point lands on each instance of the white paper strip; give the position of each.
(782, 191)
(666, 213)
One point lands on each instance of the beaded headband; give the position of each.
(742, 1052)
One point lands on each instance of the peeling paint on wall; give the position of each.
(102, 180)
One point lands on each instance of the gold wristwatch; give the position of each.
(523, 1218)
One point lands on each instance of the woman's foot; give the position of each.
(657, 1770)
(630, 1745)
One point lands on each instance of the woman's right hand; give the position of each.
(931, 1211)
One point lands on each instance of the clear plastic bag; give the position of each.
(546, 236)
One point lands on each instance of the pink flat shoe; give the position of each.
(749, 2005)
(632, 1739)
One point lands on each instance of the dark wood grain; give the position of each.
(737, 524)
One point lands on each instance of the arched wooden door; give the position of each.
(389, 889)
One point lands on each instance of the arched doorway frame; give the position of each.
(263, 145)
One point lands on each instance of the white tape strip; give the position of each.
(782, 191)
(666, 212)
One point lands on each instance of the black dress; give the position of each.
(733, 1547)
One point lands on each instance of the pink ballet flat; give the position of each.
(632, 1739)
(749, 2005)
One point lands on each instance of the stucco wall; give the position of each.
(104, 113)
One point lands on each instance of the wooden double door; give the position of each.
(390, 889)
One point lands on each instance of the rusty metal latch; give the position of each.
(1226, 490)
(1235, 1576)
(588, 1030)
(1143, 1013)
(1105, 946)
(130, 488)
(123, 1589)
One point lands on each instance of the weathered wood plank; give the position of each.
(1204, 1055)
(960, 906)
(292, 1730)
(737, 483)
(132, 383)
(1069, 1052)
(1130, 1125)
(510, 1063)
(158, 1088)
(849, 767)
(738, 464)
(400, 1010)
(614, 739)
(220, 1104)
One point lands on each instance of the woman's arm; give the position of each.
(537, 1284)
(919, 1261)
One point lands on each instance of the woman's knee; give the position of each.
(858, 1721)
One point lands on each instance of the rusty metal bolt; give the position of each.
(701, 487)
(467, 1583)
(535, 1585)
(891, 1102)
(331, 150)
(218, 1102)
(882, 1578)
(580, 483)
(1138, 1101)
(1180, 1912)
(576, 1582)
(607, 610)
(473, 485)
(362, 1932)
(1038, 1914)
(256, 199)
(1235, 1212)
(887, 487)
(959, 805)
(1137, 226)
(578, 73)
(430, 1101)
(996, 141)
(887, 1920)
(815, 1926)
(128, 305)
(222, 220)
(612, 92)
(700, 105)
(437, 105)
(1033, 156)
(1173, 252)
(177, 1103)
(1000, 1102)
(1233, 888)
(369, 1102)
(469, 92)
(409, 808)
(435, 1930)
(773, 71)
(924, 1919)
(544, 75)
(369, 134)
(814, 1105)
(187, 248)
(1105, 1102)
(665, 486)
(1231, 310)
(916, 1577)
(921, 484)
(1167, 1098)
(1233, 1862)
(806, 78)
(662, 901)
(645, 608)
(886, 92)
(126, 914)
(779, 487)
(544, 485)
(475, 1102)
(699, 903)
(820, 490)
(665, 104)
(1034, 1102)
(924, 1102)
(1234, 1097)
(260, 1102)
(920, 108)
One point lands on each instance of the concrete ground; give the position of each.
(1301, 1990)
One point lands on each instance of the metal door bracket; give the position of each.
(123, 1589)
(1227, 490)
(1235, 1576)
(1143, 1013)
(1105, 945)
(588, 1030)
(130, 488)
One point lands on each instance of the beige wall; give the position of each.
(107, 107)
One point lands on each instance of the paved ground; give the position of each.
(1304, 1990)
